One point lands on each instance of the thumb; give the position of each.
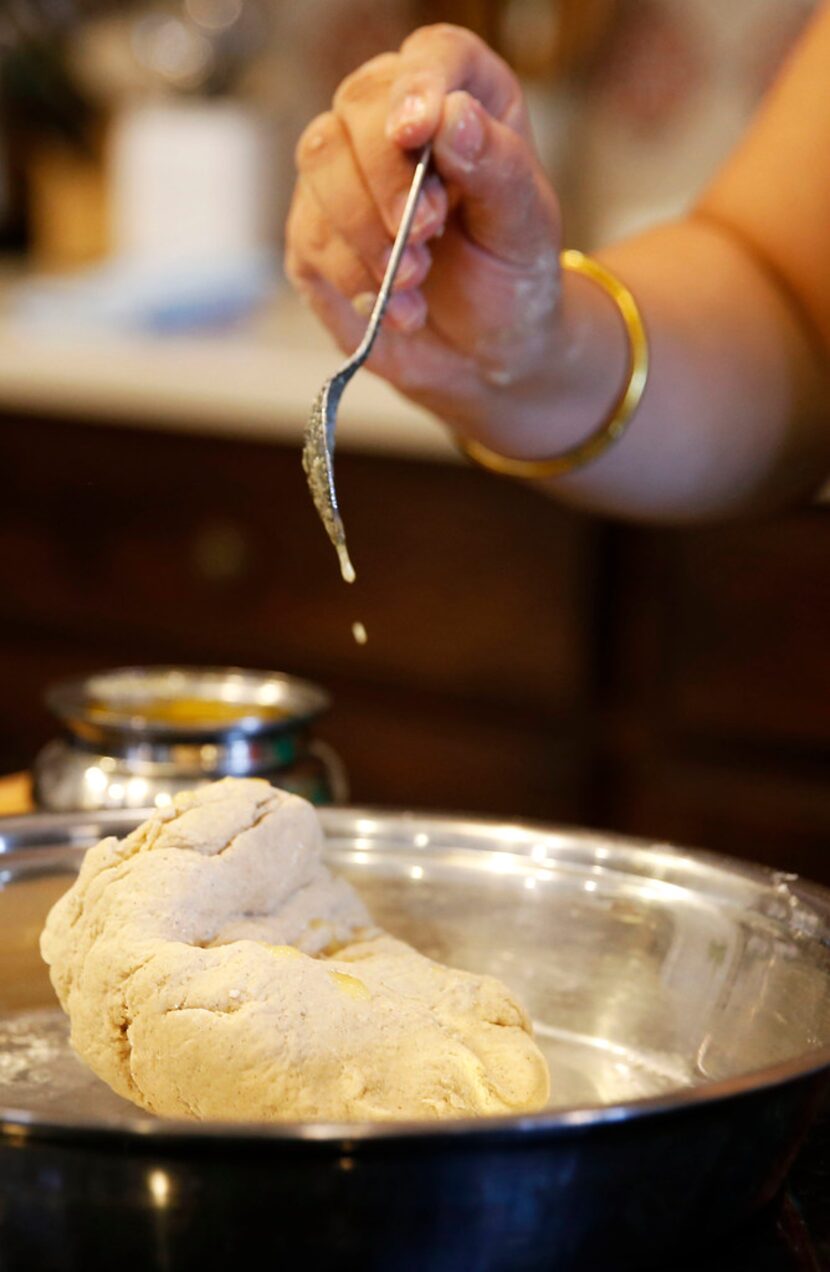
(502, 196)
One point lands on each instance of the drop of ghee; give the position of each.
(284, 951)
(350, 985)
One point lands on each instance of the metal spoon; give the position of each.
(318, 446)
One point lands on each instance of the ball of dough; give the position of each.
(212, 967)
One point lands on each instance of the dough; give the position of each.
(212, 967)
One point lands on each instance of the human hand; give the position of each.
(476, 295)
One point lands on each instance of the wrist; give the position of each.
(581, 374)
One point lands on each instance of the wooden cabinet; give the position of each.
(119, 545)
(522, 659)
(718, 719)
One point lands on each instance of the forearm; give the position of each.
(735, 414)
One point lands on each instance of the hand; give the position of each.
(476, 299)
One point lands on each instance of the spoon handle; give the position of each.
(363, 350)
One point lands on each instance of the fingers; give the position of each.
(361, 106)
(506, 205)
(350, 198)
(398, 101)
(333, 309)
(392, 356)
(329, 172)
(499, 259)
(437, 60)
(322, 251)
(317, 251)
(468, 101)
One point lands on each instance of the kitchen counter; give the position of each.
(257, 382)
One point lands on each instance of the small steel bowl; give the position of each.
(135, 736)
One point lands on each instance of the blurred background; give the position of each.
(156, 375)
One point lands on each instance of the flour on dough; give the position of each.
(212, 967)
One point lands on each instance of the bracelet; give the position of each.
(623, 408)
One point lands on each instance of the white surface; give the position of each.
(258, 382)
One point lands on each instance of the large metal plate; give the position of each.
(657, 979)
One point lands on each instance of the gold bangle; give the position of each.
(623, 408)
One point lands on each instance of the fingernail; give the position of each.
(410, 264)
(364, 303)
(429, 214)
(464, 131)
(409, 113)
(407, 311)
(422, 217)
